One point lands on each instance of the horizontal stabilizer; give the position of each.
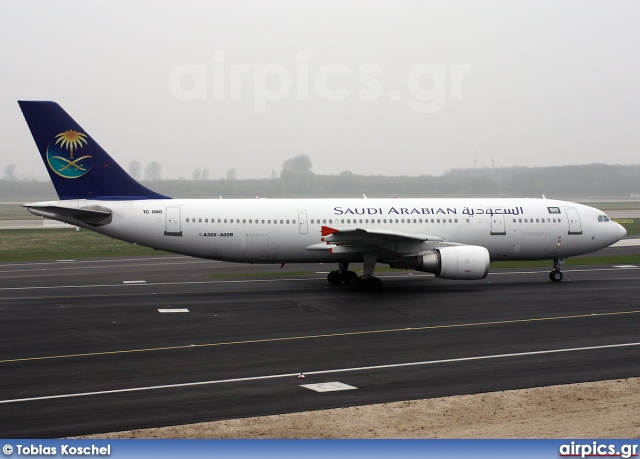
(91, 215)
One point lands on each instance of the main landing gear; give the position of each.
(555, 275)
(357, 283)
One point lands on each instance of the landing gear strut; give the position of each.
(555, 275)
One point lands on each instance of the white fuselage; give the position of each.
(283, 230)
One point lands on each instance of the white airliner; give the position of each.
(451, 238)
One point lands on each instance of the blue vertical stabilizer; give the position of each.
(79, 168)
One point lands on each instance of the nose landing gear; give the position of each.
(555, 275)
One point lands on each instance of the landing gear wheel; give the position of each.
(335, 277)
(357, 284)
(374, 284)
(348, 276)
(555, 275)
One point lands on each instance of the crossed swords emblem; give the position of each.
(74, 163)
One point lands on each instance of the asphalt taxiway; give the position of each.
(92, 346)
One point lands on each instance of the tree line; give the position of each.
(296, 179)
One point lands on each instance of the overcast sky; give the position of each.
(373, 87)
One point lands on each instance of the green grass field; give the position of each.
(56, 244)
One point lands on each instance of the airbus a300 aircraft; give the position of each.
(451, 238)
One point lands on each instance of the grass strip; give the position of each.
(56, 244)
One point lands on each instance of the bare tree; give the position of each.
(231, 174)
(205, 174)
(10, 172)
(153, 171)
(197, 174)
(134, 169)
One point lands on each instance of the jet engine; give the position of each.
(462, 262)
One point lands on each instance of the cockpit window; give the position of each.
(603, 218)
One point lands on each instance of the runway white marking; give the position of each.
(323, 372)
(173, 310)
(631, 242)
(135, 282)
(328, 387)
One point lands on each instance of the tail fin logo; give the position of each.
(60, 155)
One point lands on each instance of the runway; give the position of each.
(85, 348)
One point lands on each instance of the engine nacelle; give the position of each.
(464, 262)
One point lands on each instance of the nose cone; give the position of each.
(622, 232)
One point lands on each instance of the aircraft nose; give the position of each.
(622, 232)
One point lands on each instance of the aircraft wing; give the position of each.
(354, 240)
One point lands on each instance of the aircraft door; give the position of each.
(497, 225)
(575, 227)
(303, 225)
(172, 222)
